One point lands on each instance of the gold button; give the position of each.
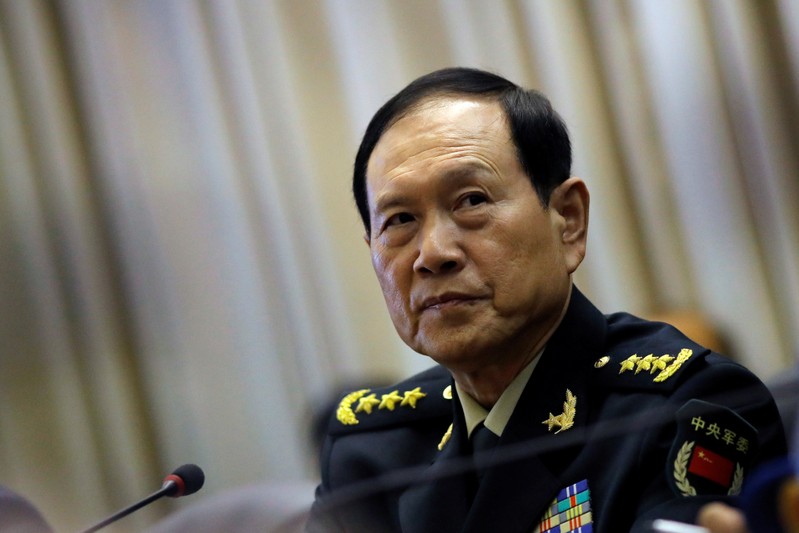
(601, 362)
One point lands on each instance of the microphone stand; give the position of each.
(168, 488)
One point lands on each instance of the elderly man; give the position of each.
(542, 412)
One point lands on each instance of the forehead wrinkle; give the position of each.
(476, 155)
(429, 132)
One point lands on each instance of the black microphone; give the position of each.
(184, 480)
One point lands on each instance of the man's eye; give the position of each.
(399, 218)
(471, 200)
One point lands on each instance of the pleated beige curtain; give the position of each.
(182, 272)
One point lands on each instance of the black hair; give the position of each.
(540, 135)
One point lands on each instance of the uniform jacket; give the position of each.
(626, 428)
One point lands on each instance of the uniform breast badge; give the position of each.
(711, 452)
(565, 420)
(569, 512)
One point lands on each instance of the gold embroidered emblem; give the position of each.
(602, 361)
(565, 420)
(645, 364)
(344, 412)
(737, 481)
(445, 438)
(388, 400)
(629, 363)
(681, 472)
(447, 392)
(661, 363)
(665, 365)
(669, 371)
(366, 403)
(412, 396)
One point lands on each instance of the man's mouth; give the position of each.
(446, 300)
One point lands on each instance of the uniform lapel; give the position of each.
(521, 489)
(516, 492)
(441, 504)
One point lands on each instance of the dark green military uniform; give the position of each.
(608, 424)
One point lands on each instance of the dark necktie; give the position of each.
(483, 442)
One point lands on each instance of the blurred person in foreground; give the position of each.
(542, 412)
(18, 515)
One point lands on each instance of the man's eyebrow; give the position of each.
(455, 175)
(390, 200)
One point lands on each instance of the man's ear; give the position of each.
(570, 200)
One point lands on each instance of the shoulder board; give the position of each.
(656, 370)
(427, 395)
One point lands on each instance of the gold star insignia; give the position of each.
(388, 400)
(644, 364)
(629, 363)
(551, 422)
(661, 363)
(366, 403)
(412, 396)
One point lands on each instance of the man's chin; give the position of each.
(458, 356)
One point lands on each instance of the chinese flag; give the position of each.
(711, 466)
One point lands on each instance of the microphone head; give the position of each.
(184, 480)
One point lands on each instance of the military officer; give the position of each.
(542, 413)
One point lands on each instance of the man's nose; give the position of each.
(439, 249)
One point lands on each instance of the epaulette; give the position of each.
(409, 401)
(647, 368)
